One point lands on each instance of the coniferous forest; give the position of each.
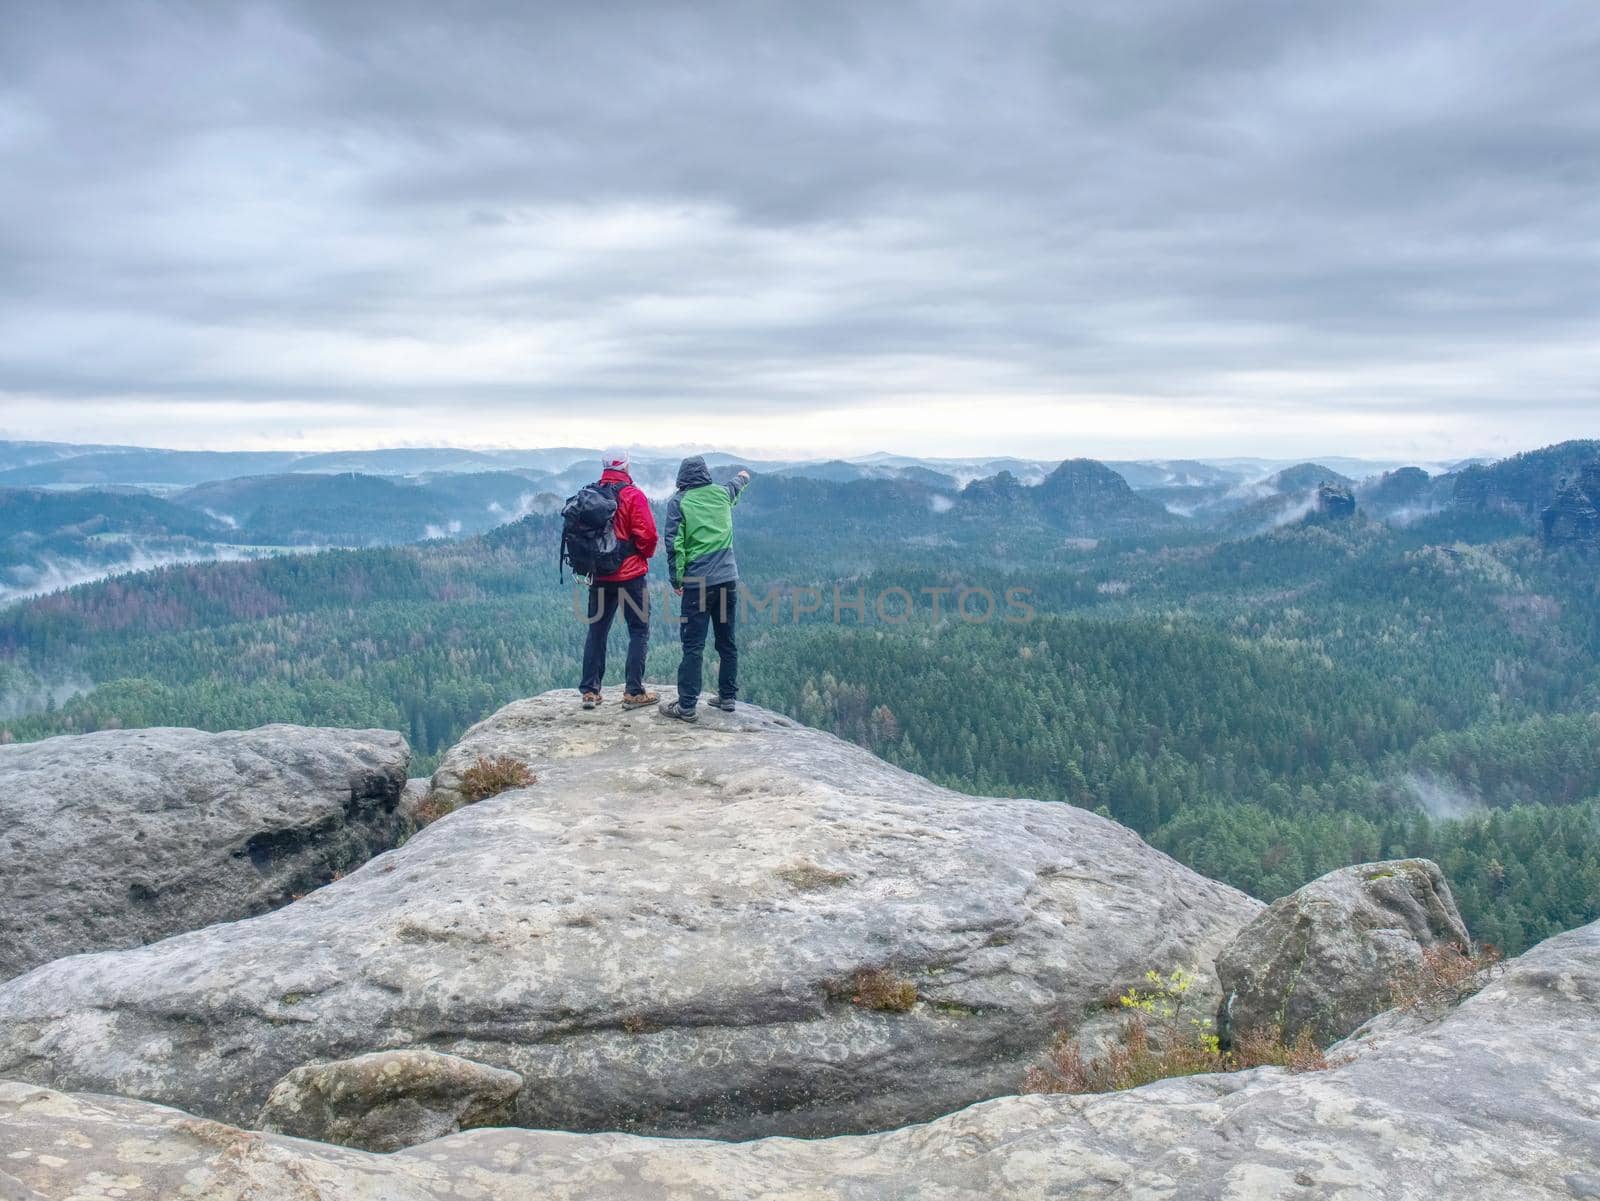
(1264, 704)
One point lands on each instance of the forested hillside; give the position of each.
(1265, 708)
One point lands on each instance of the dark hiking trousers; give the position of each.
(716, 606)
(633, 598)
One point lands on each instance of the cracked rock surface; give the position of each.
(661, 935)
(1498, 1099)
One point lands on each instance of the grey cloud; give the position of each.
(770, 205)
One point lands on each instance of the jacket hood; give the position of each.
(693, 473)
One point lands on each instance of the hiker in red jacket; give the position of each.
(626, 589)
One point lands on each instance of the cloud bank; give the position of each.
(1236, 226)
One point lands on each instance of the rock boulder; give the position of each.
(389, 1099)
(122, 837)
(674, 930)
(1500, 1098)
(1328, 956)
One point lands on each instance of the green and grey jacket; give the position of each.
(699, 536)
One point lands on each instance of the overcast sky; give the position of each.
(1251, 227)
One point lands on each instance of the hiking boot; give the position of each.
(673, 709)
(591, 699)
(725, 703)
(638, 700)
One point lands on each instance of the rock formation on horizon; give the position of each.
(1335, 501)
(1573, 518)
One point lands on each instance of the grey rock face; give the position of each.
(389, 1099)
(662, 934)
(1336, 501)
(412, 797)
(1328, 955)
(118, 838)
(1573, 518)
(1500, 1098)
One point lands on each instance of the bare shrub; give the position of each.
(1133, 1059)
(1267, 1048)
(1447, 975)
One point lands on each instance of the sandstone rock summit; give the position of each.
(118, 838)
(737, 928)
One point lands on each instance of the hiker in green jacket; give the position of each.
(700, 565)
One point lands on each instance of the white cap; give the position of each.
(615, 460)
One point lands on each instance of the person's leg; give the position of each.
(724, 613)
(602, 610)
(693, 633)
(635, 604)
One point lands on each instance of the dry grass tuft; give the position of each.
(808, 877)
(1267, 1048)
(490, 777)
(883, 990)
(431, 810)
(1159, 1039)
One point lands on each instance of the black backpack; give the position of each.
(589, 542)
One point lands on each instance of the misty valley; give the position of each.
(1267, 670)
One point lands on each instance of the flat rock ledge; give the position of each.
(1500, 1098)
(732, 929)
(122, 837)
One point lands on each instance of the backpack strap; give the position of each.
(616, 487)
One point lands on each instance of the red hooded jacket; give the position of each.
(636, 523)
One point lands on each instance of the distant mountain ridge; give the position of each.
(69, 513)
(1526, 483)
(66, 465)
(1081, 496)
